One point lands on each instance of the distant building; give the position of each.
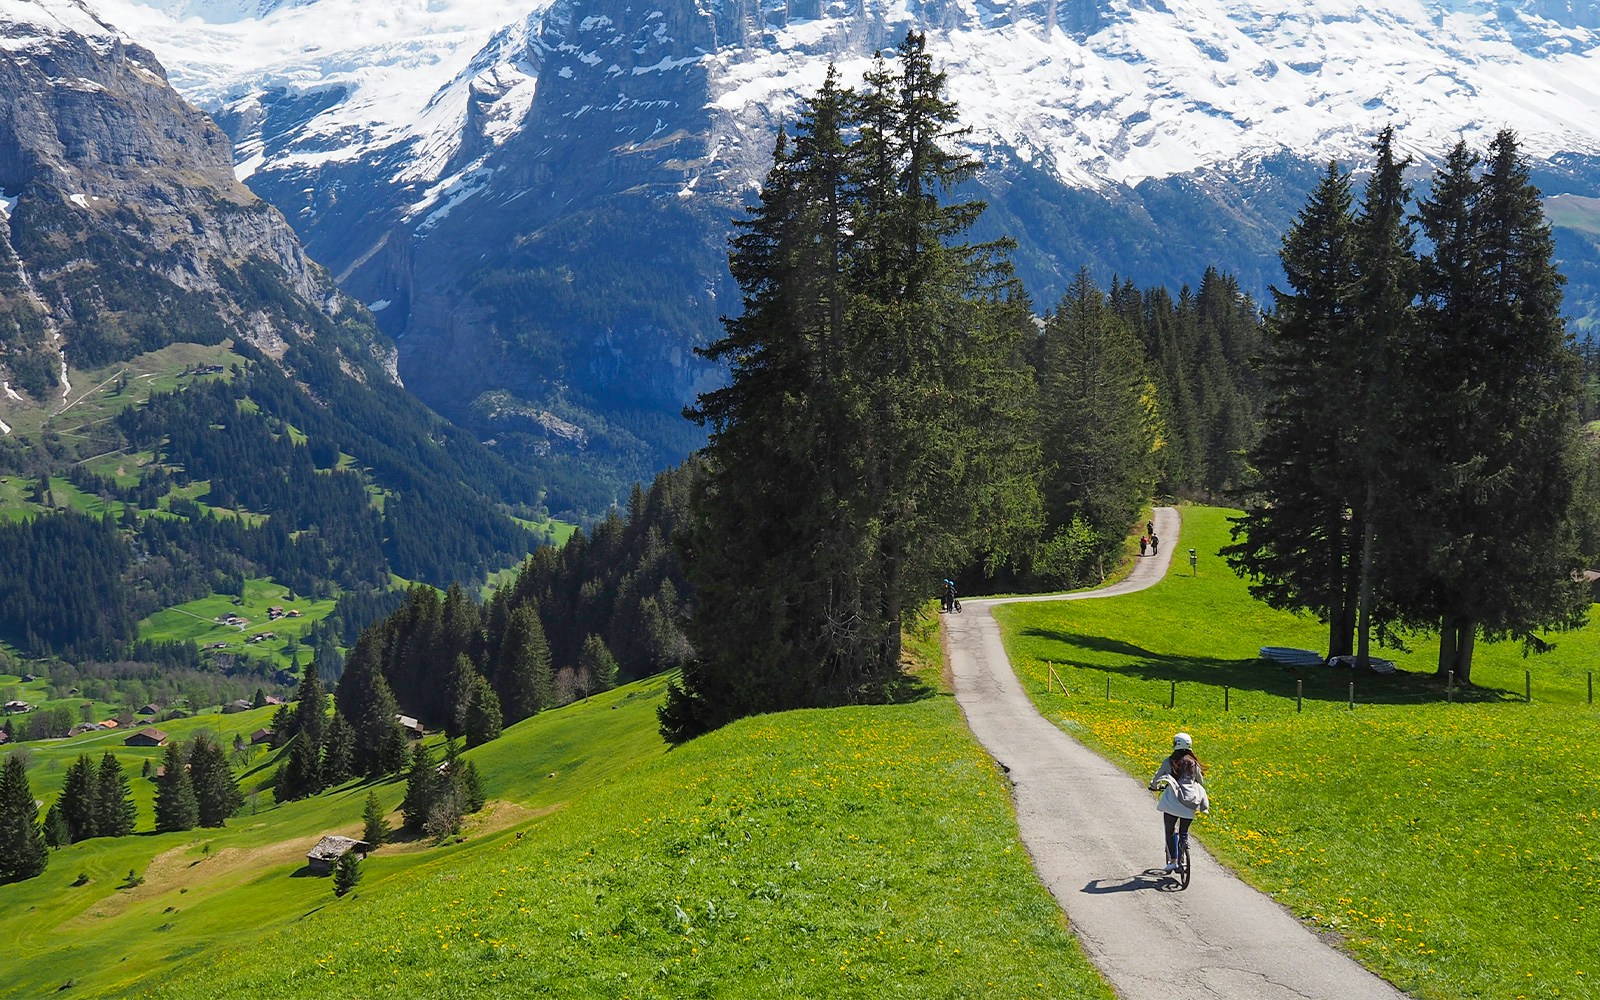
(110, 724)
(412, 727)
(5, 737)
(261, 736)
(236, 706)
(146, 737)
(331, 848)
(151, 709)
(273, 699)
(14, 707)
(84, 727)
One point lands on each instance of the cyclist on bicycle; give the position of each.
(1182, 795)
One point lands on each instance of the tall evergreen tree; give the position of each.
(423, 784)
(460, 686)
(176, 807)
(1376, 429)
(596, 660)
(374, 821)
(311, 707)
(300, 775)
(56, 833)
(338, 751)
(23, 853)
(523, 677)
(483, 721)
(874, 434)
(1495, 361)
(78, 799)
(1294, 540)
(217, 795)
(364, 698)
(113, 801)
(1098, 444)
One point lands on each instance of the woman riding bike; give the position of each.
(1182, 796)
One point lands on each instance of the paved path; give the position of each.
(1094, 834)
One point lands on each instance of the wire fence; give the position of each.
(1273, 690)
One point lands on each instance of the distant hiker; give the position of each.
(1155, 544)
(1144, 543)
(1182, 795)
(1149, 527)
(949, 603)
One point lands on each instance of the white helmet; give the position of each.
(1182, 742)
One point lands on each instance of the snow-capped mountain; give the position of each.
(535, 196)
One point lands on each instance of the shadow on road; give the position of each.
(1147, 880)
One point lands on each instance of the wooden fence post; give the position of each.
(1172, 696)
(1591, 687)
(1225, 696)
(1108, 689)
(1527, 685)
(1352, 696)
(1299, 695)
(1450, 687)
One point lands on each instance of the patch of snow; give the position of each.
(5, 428)
(378, 306)
(10, 392)
(79, 200)
(7, 203)
(66, 386)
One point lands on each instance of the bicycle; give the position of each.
(1180, 848)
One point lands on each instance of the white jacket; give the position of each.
(1170, 803)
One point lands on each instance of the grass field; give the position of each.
(1450, 847)
(197, 621)
(863, 852)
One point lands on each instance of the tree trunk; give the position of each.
(1364, 607)
(1456, 641)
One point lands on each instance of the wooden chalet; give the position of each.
(146, 737)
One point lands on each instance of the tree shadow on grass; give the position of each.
(1323, 684)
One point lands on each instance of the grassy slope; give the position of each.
(196, 621)
(855, 852)
(1451, 846)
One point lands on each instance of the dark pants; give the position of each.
(1176, 827)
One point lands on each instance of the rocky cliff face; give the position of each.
(122, 226)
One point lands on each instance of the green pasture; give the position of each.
(196, 621)
(853, 852)
(1449, 845)
(95, 396)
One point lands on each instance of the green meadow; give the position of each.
(852, 852)
(196, 621)
(1451, 845)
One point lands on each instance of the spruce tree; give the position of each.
(113, 801)
(366, 701)
(78, 800)
(346, 874)
(483, 721)
(176, 806)
(1098, 445)
(56, 833)
(217, 794)
(422, 789)
(469, 786)
(460, 687)
(338, 751)
(301, 775)
(523, 678)
(23, 852)
(596, 660)
(374, 822)
(1496, 363)
(311, 707)
(874, 432)
(1294, 540)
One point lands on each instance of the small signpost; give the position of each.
(1193, 559)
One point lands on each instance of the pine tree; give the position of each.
(1495, 361)
(346, 874)
(113, 801)
(375, 825)
(23, 852)
(301, 775)
(469, 786)
(365, 699)
(217, 794)
(597, 661)
(1097, 442)
(422, 790)
(176, 806)
(56, 833)
(460, 686)
(1297, 546)
(78, 797)
(311, 707)
(874, 432)
(483, 721)
(523, 678)
(338, 751)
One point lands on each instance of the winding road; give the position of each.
(1094, 834)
